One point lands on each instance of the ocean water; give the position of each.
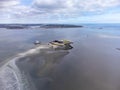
(92, 64)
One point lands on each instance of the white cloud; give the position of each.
(8, 3)
(93, 5)
(62, 7)
(71, 5)
(54, 9)
(49, 4)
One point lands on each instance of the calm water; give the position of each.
(93, 63)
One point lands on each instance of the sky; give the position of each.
(59, 11)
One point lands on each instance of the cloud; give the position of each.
(48, 4)
(93, 5)
(61, 9)
(8, 3)
(58, 7)
(54, 9)
(74, 5)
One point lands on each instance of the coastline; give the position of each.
(27, 26)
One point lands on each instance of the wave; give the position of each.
(11, 78)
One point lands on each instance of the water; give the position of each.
(93, 63)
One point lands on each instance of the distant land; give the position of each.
(27, 26)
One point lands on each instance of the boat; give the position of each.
(37, 42)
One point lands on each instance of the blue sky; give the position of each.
(60, 11)
(26, 2)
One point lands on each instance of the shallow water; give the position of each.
(93, 63)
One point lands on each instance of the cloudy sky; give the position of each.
(59, 11)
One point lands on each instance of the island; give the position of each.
(27, 26)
